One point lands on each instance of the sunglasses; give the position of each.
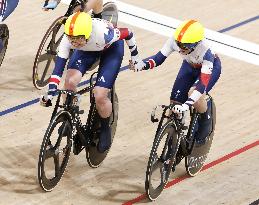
(186, 46)
(75, 38)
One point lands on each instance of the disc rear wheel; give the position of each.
(94, 157)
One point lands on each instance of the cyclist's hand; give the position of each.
(45, 100)
(137, 65)
(50, 5)
(179, 109)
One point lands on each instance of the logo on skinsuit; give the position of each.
(101, 79)
(79, 63)
(109, 36)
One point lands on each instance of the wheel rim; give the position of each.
(110, 13)
(4, 35)
(159, 165)
(46, 55)
(54, 155)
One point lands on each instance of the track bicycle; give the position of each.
(174, 141)
(66, 132)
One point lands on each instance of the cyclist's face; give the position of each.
(77, 41)
(183, 49)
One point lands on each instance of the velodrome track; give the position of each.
(120, 180)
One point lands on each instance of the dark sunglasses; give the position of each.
(186, 46)
(75, 38)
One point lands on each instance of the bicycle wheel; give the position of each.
(160, 163)
(94, 157)
(55, 151)
(195, 161)
(46, 54)
(110, 13)
(4, 35)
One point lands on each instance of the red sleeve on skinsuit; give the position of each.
(124, 33)
(205, 78)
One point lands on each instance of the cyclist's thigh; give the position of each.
(83, 60)
(110, 64)
(7, 7)
(184, 81)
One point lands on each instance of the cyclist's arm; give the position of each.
(128, 36)
(204, 78)
(160, 57)
(60, 64)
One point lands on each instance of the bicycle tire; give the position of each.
(41, 77)
(93, 156)
(195, 161)
(163, 163)
(49, 151)
(4, 35)
(110, 13)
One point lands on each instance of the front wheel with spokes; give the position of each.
(55, 151)
(161, 159)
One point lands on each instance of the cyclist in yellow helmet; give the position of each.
(95, 5)
(92, 39)
(200, 70)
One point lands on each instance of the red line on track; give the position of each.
(207, 166)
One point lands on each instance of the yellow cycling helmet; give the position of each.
(79, 24)
(189, 32)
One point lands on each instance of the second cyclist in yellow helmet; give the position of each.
(199, 72)
(189, 34)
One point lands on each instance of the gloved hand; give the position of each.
(51, 5)
(179, 109)
(45, 100)
(137, 64)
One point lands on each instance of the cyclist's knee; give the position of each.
(201, 104)
(72, 79)
(70, 83)
(101, 95)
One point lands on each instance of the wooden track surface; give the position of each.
(121, 176)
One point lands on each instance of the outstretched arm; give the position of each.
(128, 36)
(160, 57)
(60, 63)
